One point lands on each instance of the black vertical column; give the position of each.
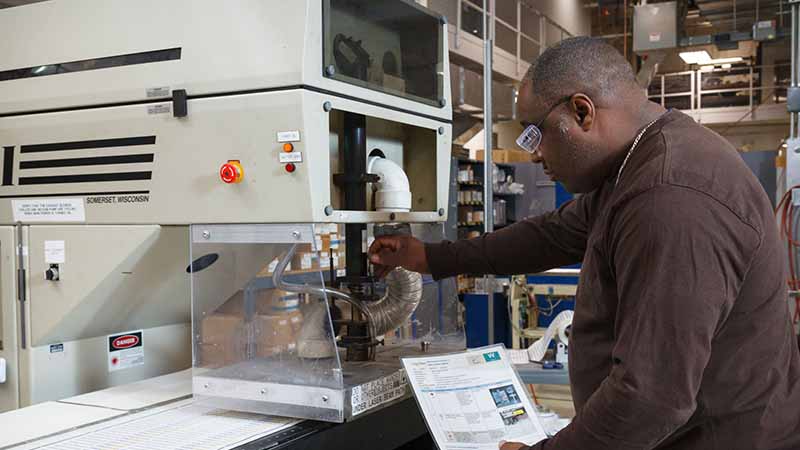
(355, 193)
(355, 199)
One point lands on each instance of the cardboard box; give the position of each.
(506, 156)
(225, 338)
(305, 261)
(339, 259)
(275, 334)
(277, 302)
(222, 340)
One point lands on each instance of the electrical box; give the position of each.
(764, 30)
(655, 26)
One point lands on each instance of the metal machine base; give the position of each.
(278, 386)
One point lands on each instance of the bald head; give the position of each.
(582, 64)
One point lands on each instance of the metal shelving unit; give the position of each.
(465, 225)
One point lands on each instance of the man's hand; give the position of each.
(388, 252)
(512, 445)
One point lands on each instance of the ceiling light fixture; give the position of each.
(702, 58)
(695, 57)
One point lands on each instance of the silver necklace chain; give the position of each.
(633, 147)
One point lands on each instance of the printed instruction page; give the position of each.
(473, 400)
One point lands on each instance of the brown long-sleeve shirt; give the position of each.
(681, 337)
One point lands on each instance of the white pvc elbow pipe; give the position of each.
(393, 192)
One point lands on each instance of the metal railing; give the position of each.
(530, 41)
(738, 87)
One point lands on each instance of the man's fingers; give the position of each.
(385, 251)
(511, 445)
(385, 243)
(375, 258)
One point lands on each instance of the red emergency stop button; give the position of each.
(290, 167)
(231, 172)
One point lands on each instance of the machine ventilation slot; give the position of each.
(34, 172)
(83, 145)
(130, 59)
(92, 161)
(86, 178)
(8, 165)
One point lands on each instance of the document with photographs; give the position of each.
(472, 400)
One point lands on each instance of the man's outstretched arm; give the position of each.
(551, 240)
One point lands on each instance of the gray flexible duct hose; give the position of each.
(403, 295)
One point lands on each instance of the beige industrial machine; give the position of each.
(152, 149)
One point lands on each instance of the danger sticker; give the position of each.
(125, 350)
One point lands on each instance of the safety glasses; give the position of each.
(531, 137)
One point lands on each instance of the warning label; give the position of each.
(376, 393)
(125, 350)
(49, 210)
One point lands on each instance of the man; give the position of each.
(681, 337)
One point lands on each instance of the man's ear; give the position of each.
(584, 110)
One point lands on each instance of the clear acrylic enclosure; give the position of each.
(258, 348)
(272, 334)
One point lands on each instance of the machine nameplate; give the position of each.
(114, 199)
(378, 392)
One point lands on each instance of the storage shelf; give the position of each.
(470, 183)
(475, 161)
(470, 203)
